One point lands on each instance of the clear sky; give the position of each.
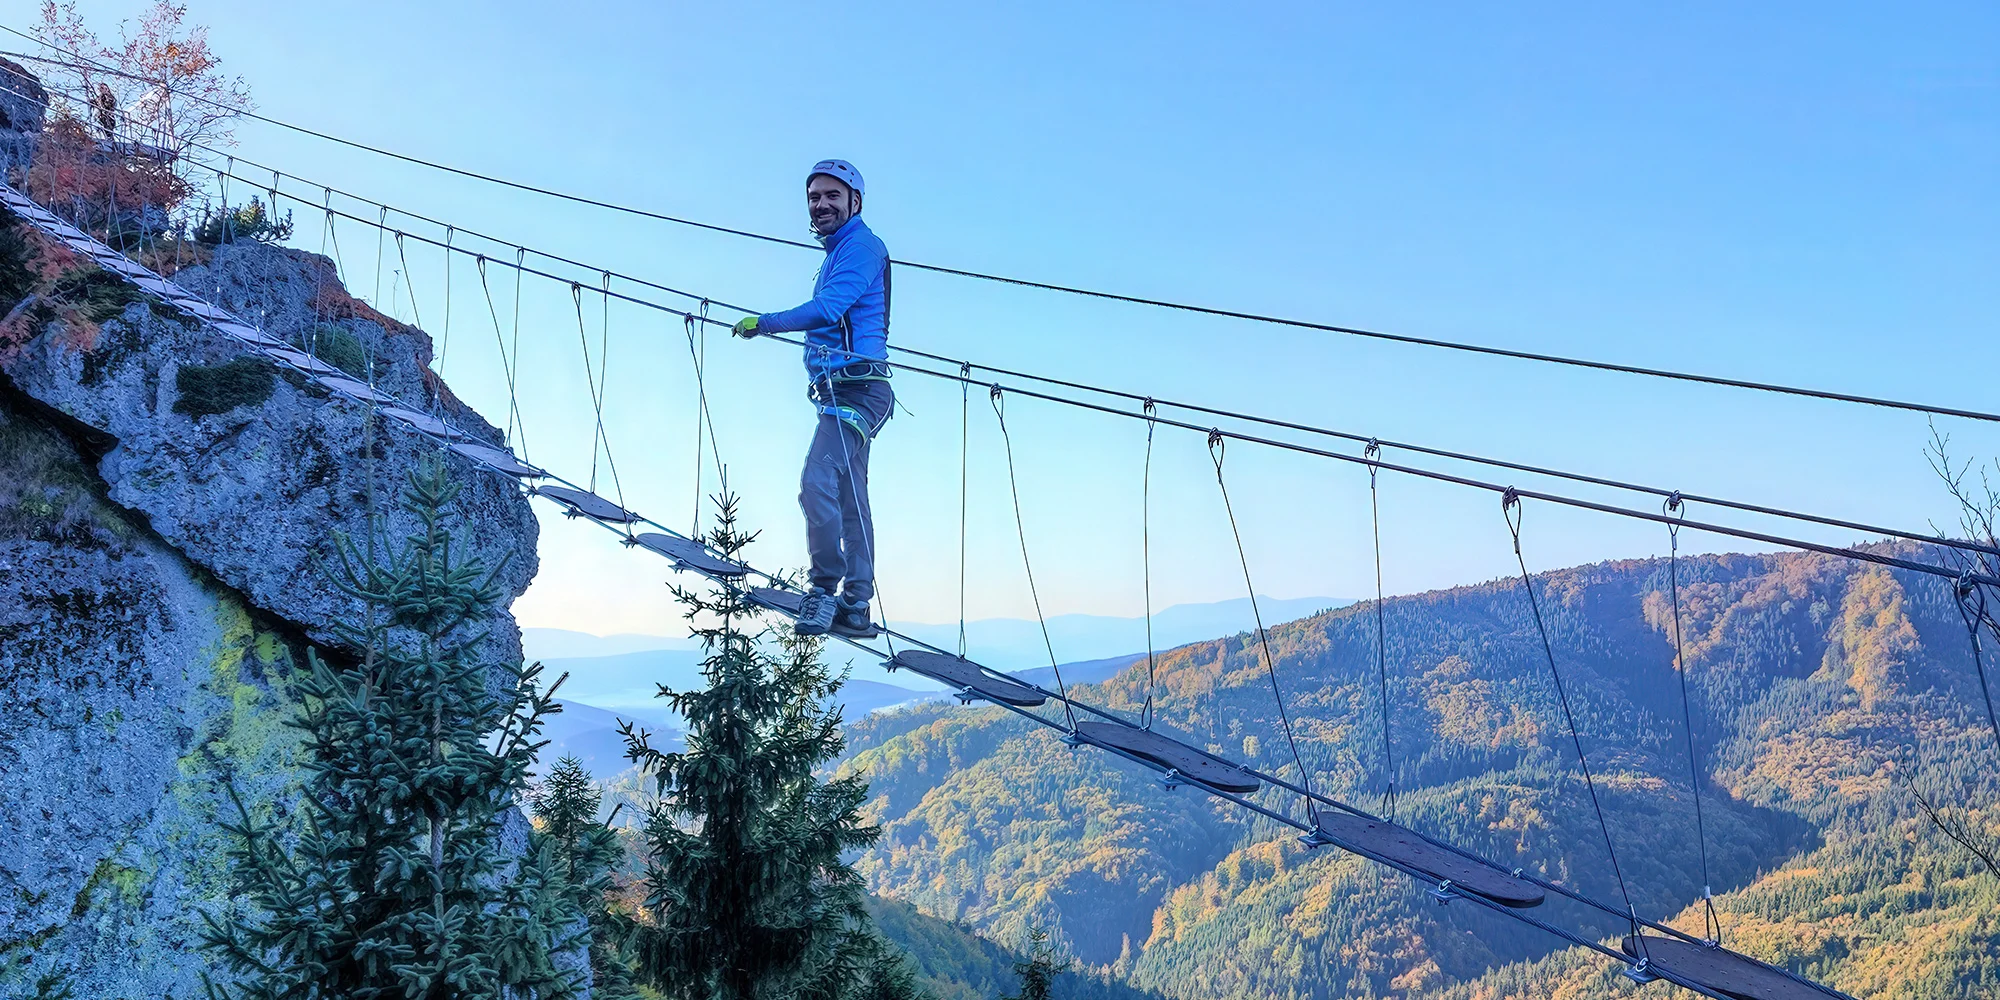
(1795, 192)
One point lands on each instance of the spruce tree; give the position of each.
(583, 852)
(748, 895)
(392, 885)
(1039, 971)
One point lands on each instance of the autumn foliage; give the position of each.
(123, 118)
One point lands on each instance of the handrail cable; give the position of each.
(1252, 418)
(1926, 538)
(521, 268)
(1353, 331)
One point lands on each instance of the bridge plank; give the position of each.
(966, 675)
(494, 458)
(1403, 846)
(590, 505)
(1718, 970)
(349, 387)
(423, 422)
(1168, 752)
(785, 601)
(301, 360)
(691, 555)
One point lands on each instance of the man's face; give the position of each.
(830, 203)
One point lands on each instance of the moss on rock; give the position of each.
(210, 389)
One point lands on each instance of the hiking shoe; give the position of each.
(816, 611)
(851, 620)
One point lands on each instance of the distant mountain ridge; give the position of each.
(1820, 686)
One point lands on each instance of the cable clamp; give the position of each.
(1148, 407)
(1673, 503)
(1510, 498)
(1373, 450)
(1172, 779)
(1444, 892)
(1215, 439)
(965, 696)
(993, 392)
(1641, 971)
(1071, 740)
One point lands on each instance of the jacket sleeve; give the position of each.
(851, 269)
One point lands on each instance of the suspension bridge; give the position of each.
(1650, 949)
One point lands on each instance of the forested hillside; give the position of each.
(1822, 688)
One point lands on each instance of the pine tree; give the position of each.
(392, 885)
(748, 895)
(583, 852)
(1039, 971)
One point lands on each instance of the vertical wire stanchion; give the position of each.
(1512, 511)
(1371, 452)
(1711, 921)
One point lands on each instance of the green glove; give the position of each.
(746, 327)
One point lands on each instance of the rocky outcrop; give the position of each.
(254, 492)
(135, 686)
(165, 502)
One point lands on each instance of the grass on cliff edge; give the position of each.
(209, 389)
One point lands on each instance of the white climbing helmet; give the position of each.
(839, 170)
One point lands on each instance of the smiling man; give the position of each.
(846, 327)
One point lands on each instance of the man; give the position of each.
(846, 327)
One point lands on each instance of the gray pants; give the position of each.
(833, 490)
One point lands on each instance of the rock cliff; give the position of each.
(164, 499)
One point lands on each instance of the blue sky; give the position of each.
(1801, 193)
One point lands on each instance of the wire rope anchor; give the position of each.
(1641, 971)
(1316, 838)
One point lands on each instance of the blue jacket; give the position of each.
(847, 319)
